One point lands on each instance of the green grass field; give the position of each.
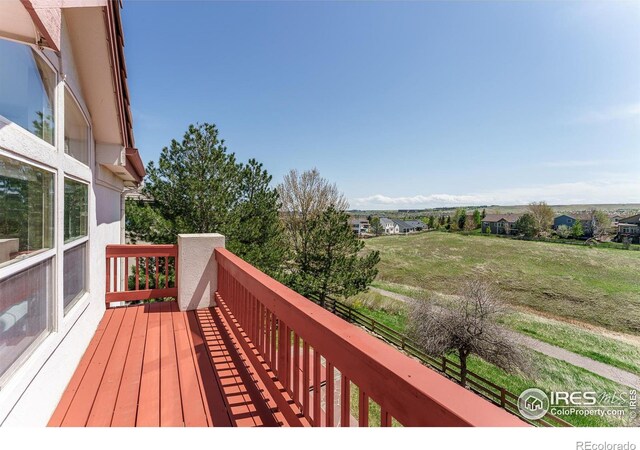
(590, 285)
(547, 373)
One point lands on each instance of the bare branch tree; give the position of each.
(303, 197)
(600, 224)
(468, 327)
(542, 215)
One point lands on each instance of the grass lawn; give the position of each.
(592, 285)
(548, 373)
(612, 350)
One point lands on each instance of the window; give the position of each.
(75, 275)
(75, 210)
(26, 210)
(25, 311)
(76, 130)
(27, 86)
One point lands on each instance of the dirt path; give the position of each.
(604, 370)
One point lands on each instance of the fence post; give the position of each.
(444, 364)
(503, 397)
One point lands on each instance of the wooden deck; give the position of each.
(152, 365)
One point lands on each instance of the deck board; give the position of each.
(153, 365)
(104, 404)
(149, 400)
(126, 406)
(76, 379)
(82, 403)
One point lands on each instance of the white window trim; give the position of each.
(67, 88)
(56, 105)
(84, 299)
(25, 358)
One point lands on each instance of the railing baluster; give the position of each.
(385, 418)
(305, 379)
(267, 352)
(283, 332)
(115, 274)
(274, 335)
(137, 287)
(363, 410)
(345, 401)
(157, 264)
(296, 368)
(317, 389)
(126, 274)
(329, 396)
(166, 271)
(146, 276)
(108, 287)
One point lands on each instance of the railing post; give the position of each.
(197, 270)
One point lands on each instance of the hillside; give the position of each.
(596, 286)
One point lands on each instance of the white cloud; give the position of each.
(624, 190)
(620, 112)
(581, 163)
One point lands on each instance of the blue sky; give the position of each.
(402, 104)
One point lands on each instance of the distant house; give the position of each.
(615, 219)
(404, 227)
(389, 226)
(500, 223)
(569, 220)
(418, 225)
(629, 229)
(359, 226)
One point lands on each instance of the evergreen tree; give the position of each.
(376, 226)
(198, 187)
(526, 225)
(331, 264)
(577, 230)
(484, 213)
(432, 222)
(477, 218)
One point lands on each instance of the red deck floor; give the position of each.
(152, 365)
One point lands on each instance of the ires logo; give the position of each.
(588, 398)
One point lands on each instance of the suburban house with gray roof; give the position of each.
(404, 227)
(418, 225)
(500, 223)
(569, 220)
(629, 229)
(389, 226)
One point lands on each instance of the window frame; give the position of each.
(26, 263)
(76, 241)
(56, 103)
(66, 88)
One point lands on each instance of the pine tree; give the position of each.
(477, 218)
(331, 264)
(198, 187)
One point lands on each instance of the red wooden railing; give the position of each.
(155, 266)
(323, 371)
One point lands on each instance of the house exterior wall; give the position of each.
(499, 227)
(563, 220)
(31, 390)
